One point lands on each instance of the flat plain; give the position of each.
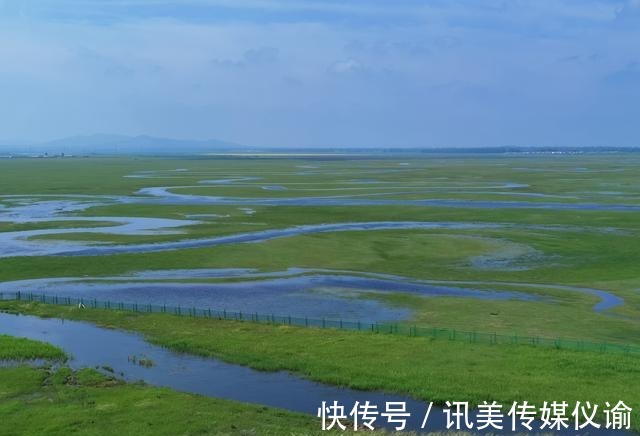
(537, 246)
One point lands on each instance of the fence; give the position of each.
(384, 328)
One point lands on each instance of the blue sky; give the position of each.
(324, 72)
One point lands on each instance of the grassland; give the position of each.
(60, 401)
(589, 248)
(600, 260)
(596, 248)
(63, 402)
(432, 370)
(595, 257)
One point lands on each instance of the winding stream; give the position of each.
(314, 293)
(16, 243)
(92, 346)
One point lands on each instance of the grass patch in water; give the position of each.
(16, 349)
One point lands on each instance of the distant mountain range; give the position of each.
(120, 144)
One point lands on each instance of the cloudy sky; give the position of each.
(324, 72)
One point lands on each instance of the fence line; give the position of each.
(387, 328)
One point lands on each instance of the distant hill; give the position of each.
(122, 144)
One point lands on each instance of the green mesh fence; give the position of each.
(434, 333)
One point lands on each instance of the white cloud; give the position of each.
(345, 66)
(492, 69)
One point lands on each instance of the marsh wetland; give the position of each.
(529, 245)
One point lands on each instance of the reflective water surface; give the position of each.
(91, 346)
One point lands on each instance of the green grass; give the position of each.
(569, 318)
(554, 175)
(605, 255)
(63, 402)
(606, 261)
(16, 227)
(14, 349)
(425, 369)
